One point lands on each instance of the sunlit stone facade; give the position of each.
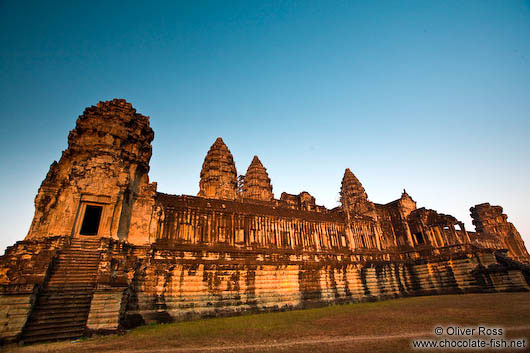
(117, 253)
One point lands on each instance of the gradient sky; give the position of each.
(433, 96)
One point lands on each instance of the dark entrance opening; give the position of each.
(91, 221)
(419, 238)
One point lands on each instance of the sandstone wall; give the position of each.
(106, 309)
(16, 302)
(28, 262)
(168, 282)
(183, 285)
(24, 269)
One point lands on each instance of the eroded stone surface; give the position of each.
(493, 230)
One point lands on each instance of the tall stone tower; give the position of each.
(218, 174)
(353, 198)
(257, 183)
(91, 191)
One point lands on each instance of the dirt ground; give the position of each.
(385, 326)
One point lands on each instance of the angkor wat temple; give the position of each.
(107, 251)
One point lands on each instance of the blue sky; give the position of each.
(430, 96)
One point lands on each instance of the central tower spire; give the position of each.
(353, 196)
(218, 174)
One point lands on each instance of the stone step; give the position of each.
(68, 295)
(74, 274)
(62, 307)
(69, 291)
(81, 250)
(51, 299)
(67, 286)
(77, 264)
(90, 252)
(77, 283)
(82, 285)
(77, 260)
(66, 314)
(74, 277)
(56, 324)
(78, 275)
(63, 301)
(64, 298)
(76, 246)
(81, 256)
(62, 264)
(51, 338)
(78, 280)
(82, 247)
(92, 269)
(52, 335)
(58, 319)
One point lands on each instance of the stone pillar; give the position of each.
(409, 234)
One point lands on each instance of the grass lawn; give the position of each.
(385, 326)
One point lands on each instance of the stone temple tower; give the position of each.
(218, 174)
(353, 197)
(257, 183)
(91, 191)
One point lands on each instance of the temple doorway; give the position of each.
(91, 220)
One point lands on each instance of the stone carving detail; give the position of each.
(218, 174)
(490, 223)
(257, 184)
(353, 197)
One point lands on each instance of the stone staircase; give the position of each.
(63, 305)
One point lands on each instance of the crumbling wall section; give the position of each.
(494, 230)
(23, 270)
